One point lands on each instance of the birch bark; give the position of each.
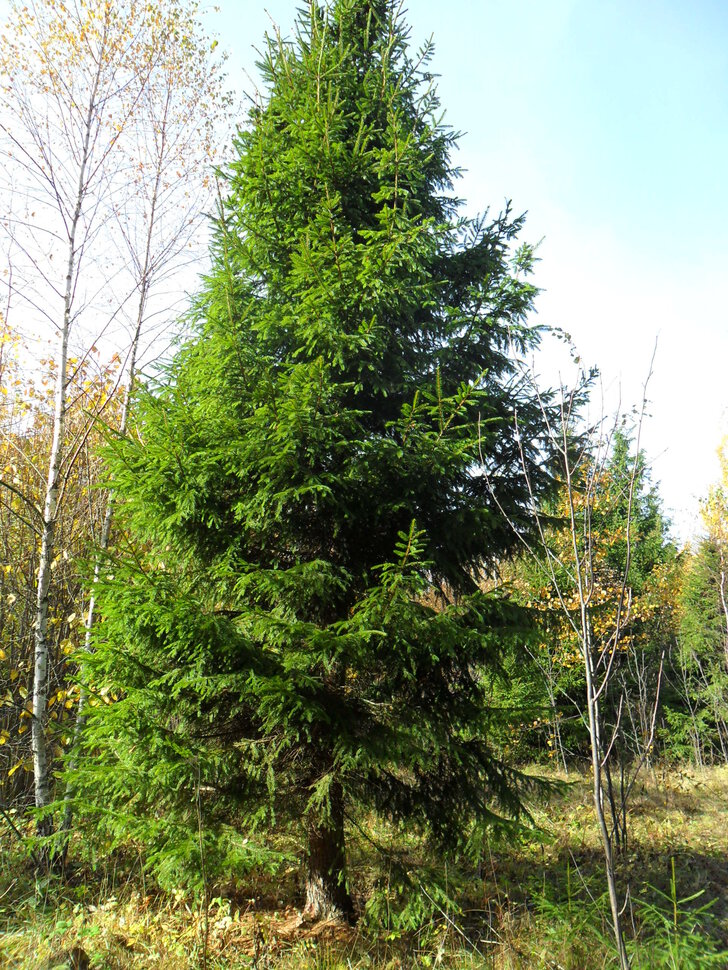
(50, 505)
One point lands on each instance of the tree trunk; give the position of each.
(327, 896)
(39, 739)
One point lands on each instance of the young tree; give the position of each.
(698, 709)
(700, 667)
(310, 475)
(598, 545)
(631, 578)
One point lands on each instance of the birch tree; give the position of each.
(595, 603)
(89, 97)
(176, 137)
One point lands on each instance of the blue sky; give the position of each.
(608, 121)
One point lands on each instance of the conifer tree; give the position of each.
(296, 627)
(698, 709)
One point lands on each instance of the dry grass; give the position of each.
(536, 903)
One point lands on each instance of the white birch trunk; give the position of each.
(39, 739)
(724, 599)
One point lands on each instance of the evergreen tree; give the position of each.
(698, 713)
(295, 626)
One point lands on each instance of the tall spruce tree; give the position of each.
(294, 626)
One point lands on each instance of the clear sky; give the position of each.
(607, 120)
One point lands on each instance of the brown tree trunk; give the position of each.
(327, 896)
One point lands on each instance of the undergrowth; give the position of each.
(536, 901)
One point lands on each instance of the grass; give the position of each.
(537, 902)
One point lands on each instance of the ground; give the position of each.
(537, 901)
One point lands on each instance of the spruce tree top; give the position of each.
(356, 317)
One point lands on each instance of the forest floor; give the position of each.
(538, 901)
